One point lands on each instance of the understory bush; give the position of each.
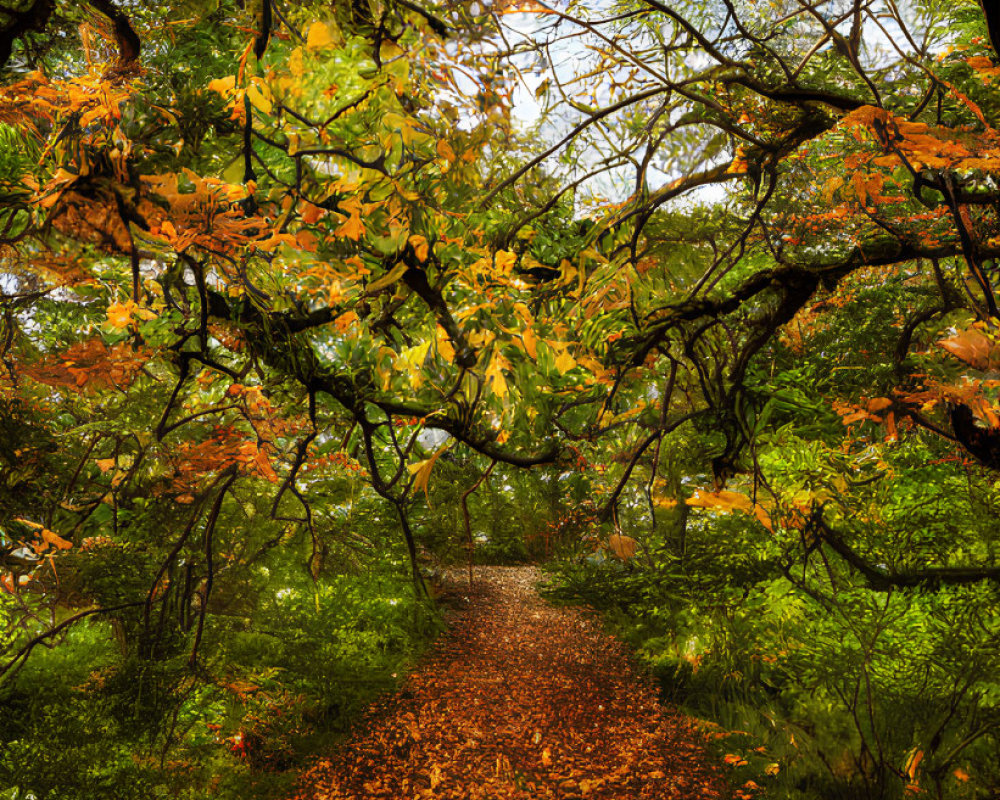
(83, 721)
(847, 694)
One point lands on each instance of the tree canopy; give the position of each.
(291, 285)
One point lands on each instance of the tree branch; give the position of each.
(882, 580)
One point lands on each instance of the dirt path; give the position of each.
(520, 700)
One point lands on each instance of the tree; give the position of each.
(258, 253)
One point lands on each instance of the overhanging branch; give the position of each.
(882, 579)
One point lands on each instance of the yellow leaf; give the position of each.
(830, 187)
(592, 365)
(404, 125)
(772, 769)
(961, 775)
(524, 313)
(258, 99)
(530, 343)
(444, 346)
(318, 36)
(523, 7)
(390, 277)
(504, 261)
(412, 359)
(569, 273)
(223, 86)
(495, 376)
(422, 471)
(104, 464)
(389, 50)
(739, 162)
(295, 64)
(565, 362)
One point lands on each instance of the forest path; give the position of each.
(519, 700)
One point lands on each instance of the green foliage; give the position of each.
(83, 722)
(838, 695)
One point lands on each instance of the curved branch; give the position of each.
(22, 654)
(883, 580)
(991, 13)
(576, 130)
(33, 18)
(128, 40)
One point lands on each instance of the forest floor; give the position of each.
(522, 700)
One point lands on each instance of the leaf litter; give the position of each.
(519, 700)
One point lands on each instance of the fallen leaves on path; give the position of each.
(520, 700)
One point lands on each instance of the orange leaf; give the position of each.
(765, 519)
(860, 187)
(420, 247)
(622, 546)
(344, 322)
(973, 347)
(120, 314)
(724, 501)
(306, 240)
(50, 537)
(353, 229)
(890, 423)
(523, 7)
(445, 151)
(312, 213)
